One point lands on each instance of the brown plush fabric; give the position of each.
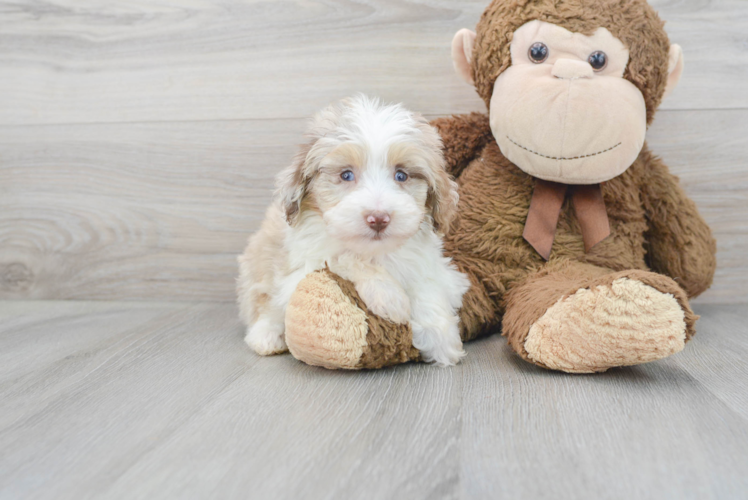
(387, 343)
(464, 136)
(486, 240)
(479, 314)
(679, 243)
(633, 22)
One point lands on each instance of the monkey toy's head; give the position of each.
(571, 85)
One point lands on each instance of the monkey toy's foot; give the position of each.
(615, 319)
(327, 324)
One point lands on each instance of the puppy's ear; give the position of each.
(442, 200)
(293, 183)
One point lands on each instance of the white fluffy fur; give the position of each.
(319, 219)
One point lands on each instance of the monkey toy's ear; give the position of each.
(462, 53)
(674, 68)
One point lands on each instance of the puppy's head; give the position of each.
(374, 172)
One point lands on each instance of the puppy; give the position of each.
(368, 196)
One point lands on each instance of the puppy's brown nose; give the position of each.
(378, 221)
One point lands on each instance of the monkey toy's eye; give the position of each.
(347, 175)
(401, 176)
(598, 60)
(538, 52)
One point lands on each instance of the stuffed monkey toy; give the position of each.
(579, 244)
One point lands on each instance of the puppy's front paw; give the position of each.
(266, 338)
(444, 355)
(439, 343)
(385, 299)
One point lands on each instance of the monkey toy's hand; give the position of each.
(328, 324)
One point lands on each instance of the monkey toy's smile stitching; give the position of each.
(561, 157)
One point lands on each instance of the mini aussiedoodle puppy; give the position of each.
(367, 196)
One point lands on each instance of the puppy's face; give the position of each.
(375, 174)
(372, 198)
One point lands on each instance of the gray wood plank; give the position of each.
(66, 62)
(281, 427)
(652, 431)
(160, 210)
(178, 407)
(717, 358)
(35, 358)
(286, 430)
(133, 393)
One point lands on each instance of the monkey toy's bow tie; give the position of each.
(545, 207)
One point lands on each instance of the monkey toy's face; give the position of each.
(562, 111)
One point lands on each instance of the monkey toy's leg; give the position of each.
(580, 318)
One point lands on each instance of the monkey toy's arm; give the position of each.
(464, 137)
(680, 242)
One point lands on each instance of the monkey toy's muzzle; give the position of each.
(564, 123)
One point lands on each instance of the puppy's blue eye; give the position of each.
(401, 176)
(347, 175)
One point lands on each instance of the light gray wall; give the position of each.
(138, 140)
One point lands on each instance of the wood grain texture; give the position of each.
(160, 210)
(164, 400)
(176, 362)
(719, 361)
(125, 61)
(651, 431)
(36, 359)
(709, 152)
(146, 210)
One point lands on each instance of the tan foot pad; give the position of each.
(327, 324)
(621, 324)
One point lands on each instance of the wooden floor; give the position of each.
(164, 400)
